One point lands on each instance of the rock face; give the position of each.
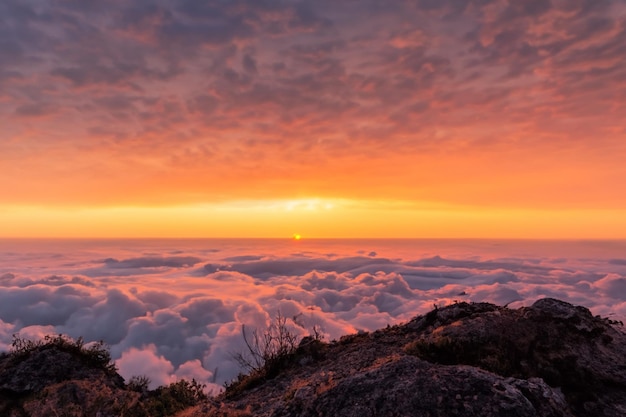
(408, 386)
(550, 359)
(584, 356)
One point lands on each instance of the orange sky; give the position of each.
(324, 118)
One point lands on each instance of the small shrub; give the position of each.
(168, 400)
(139, 384)
(350, 338)
(21, 346)
(188, 393)
(268, 350)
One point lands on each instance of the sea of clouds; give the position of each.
(173, 309)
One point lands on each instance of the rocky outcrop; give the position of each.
(550, 359)
(44, 367)
(468, 359)
(60, 378)
(582, 355)
(408, 386)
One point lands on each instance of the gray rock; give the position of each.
(467, 359)
(408, 386)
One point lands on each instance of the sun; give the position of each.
(296, 236)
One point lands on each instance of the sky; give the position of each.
(265, 118)
(171, 309)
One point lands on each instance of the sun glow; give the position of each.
(313, 218)
(269, 145)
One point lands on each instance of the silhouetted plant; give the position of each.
(170, 399)
(21, 346)
(139, 383)
(269, 352)
(267, 349)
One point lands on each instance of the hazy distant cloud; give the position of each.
(300, 266)
(11, 280)
(153, 262)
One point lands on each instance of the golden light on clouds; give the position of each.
(424, 119)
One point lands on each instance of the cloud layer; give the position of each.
(489, 101)
(175, 309)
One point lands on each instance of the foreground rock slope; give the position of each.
(549, 359)
(63, 377)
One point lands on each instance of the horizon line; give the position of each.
(290, 238)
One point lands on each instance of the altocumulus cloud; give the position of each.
(173, 317)
(323, 76)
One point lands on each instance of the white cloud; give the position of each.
(183, 320)
(136, 362)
